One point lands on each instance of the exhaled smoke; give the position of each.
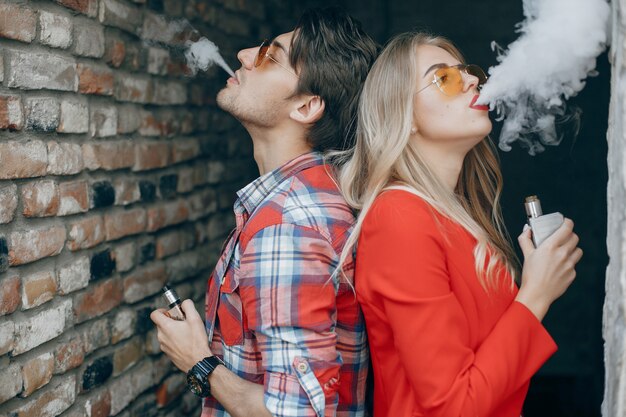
(203, 54)
(559, 43)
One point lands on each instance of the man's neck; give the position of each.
(272, 150)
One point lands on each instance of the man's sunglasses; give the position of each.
(449, 80)
(264, 53)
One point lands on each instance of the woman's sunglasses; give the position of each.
(264, 53)
(450, 81)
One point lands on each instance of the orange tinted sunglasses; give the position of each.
(449, 79)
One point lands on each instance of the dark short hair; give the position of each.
(333, 55)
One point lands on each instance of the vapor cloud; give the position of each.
(556, 51)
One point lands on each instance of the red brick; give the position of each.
(124, 223)
(40, 199)
(36, 373)
(99, 405)
(126, 191)
(74, 115)
(38, 288)
(64, 158)
(69, 355)
(109, 155)
(153, 125)
(115, 52)
(34, 244)
(10, 381)
(95, 335)
(74, 197)
(184, 150)
(158, 59)
(42, 113)
(119, 14)
(11, 112)
(170, 389)
(17, 23)
(9, 295)
(23, 160)
(103, 120)
(127, 355)
(88, 38)
(167, 214)
(94, 79)
(185, 180)
(168, 244)
(33, 70)
(47, 323)
(7, 334)
(128, 119)
(151, 155)
(144, 283)
(86, 233)
(169, 92)
(123, 325)
(58, 397)
(73, 275)
(88, 7)
(8, 203)
(186, 123)
(56, 29)
(124, 256)
(97, 300)
(133, 88)
(202, 203)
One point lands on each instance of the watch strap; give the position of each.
(208, 365)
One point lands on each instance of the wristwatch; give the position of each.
(198, 376)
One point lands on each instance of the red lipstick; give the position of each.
(478, 107)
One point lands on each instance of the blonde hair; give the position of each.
(385, 158)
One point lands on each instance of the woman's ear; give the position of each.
(309, 111)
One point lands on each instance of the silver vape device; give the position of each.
(542, 225)
(173, 301)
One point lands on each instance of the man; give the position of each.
(289, 332)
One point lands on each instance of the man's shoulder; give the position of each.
(309, 199)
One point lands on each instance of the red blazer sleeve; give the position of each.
(407, 275)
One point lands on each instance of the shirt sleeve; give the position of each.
(407, 274)
(289, 301)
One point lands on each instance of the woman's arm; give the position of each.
(404, 255)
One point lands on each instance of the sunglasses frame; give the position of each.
(461, 68)
(261, 57)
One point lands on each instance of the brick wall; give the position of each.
(117, 174)
(614, 330)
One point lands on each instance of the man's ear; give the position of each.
(309, 111)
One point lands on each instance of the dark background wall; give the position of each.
(570, 178)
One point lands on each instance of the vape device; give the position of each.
(542, 225)
(174, 312)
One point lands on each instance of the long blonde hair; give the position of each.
(384, 157)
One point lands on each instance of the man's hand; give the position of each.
(184, 342)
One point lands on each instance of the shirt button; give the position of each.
(302, 367)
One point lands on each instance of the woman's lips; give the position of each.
(478, 107)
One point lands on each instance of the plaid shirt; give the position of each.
(273, 313)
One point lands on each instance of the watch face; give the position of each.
(194, 385)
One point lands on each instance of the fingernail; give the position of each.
(526, 227)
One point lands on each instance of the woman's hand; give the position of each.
(549, 269)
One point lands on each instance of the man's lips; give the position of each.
(478, 107)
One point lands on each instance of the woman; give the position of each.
(450, 333)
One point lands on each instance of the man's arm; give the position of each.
(186, 343)
(289, 300)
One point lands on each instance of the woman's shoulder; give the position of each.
(400, 208)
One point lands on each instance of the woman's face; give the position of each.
(449, 121)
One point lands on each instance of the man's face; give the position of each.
(261, 96)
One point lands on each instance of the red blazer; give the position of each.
(441, 346)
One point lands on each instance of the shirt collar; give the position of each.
(253, 194)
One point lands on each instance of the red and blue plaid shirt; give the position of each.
(273, 312)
